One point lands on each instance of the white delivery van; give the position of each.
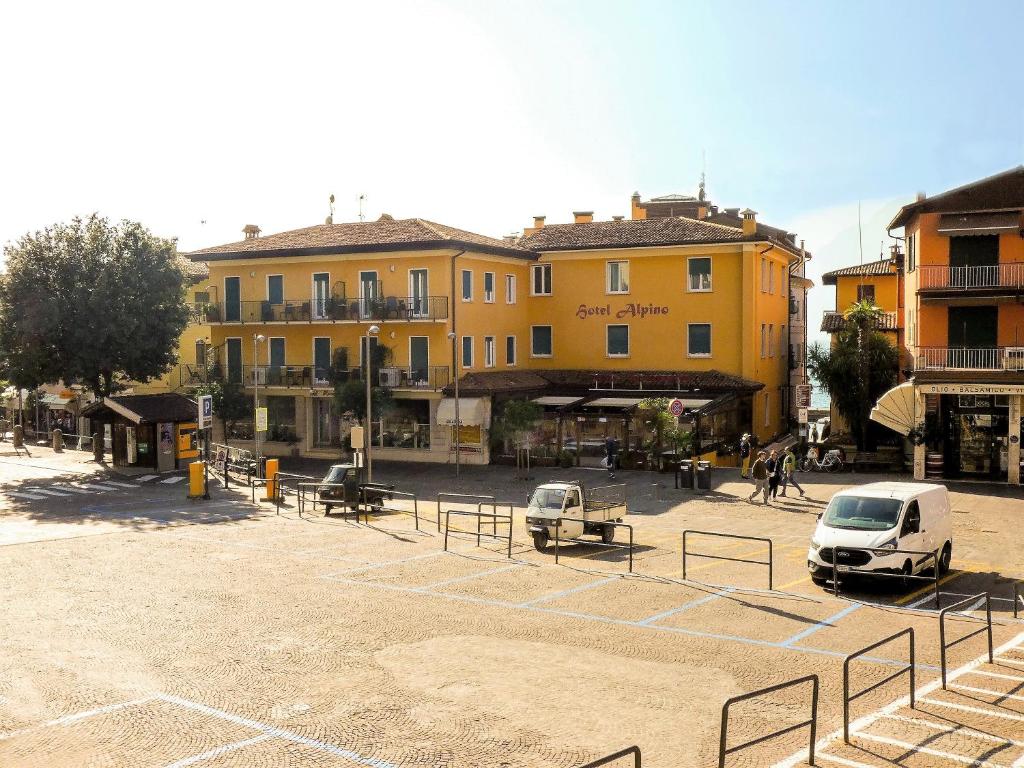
(870, 522)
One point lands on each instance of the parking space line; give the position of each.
(928, 587)
(470, 577)
(821, 625)
(1015, 678)
(571, 591)
(975, 710)
(957, 729)
(794, 583)
(685, 606)
(841, 760)
(21, 495)
(146, 478)
(119, 484)
(72, 489)
(987, 692)
(217, 751)
(919, 748)
(74, 718)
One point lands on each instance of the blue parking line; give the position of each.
(686, 606)
(820, 625)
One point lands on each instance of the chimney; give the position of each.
(618, 218)
(921, 196)
(702, 210)
(637, 210)
(511, 238)
(749, 222)
(896, 256)
(538, 222)
(582, 217)
(251, 231)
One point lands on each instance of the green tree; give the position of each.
(90, 301)
(667, 430)
(515, 420)
(859, 367)
(230, 403)
(350, 393)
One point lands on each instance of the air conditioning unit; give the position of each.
(1013, 358)
(390, 377)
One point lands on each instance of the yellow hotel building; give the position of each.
(585, 318)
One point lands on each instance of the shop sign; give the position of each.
(803, 395)
(971, 389)
(632, 309)
(205, 411)
(802, 415)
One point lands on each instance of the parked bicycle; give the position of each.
(833, 462)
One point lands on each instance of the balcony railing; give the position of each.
(944, 277)
(407, 308)
(430, 377)
(969, 359)
(425, 377)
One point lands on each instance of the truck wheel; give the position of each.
(945, 558)
(540, 540)
(607, 534)
(327, 509)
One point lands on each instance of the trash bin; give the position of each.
(703, 475)
(686, 474)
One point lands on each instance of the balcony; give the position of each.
(992, 279)
(308, 376)
(969, 359)
(331, 310)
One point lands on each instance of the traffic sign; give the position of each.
(802, 415)
(676, 407)
(261, 419)
(205, 411)
(803, 395)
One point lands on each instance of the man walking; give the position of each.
(745, 456)
(759, 471)
(788, 468)
(611, 452)
(774, 467)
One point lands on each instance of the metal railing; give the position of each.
(724, 750)
(282, 481)
(494, 517)
(329, 310)
(293, 375)
(944, 646)
(627, 526)
(770, 562)
(945, 277)
(305, 489)
(969, 359)
(424, 377)
(367, 508)
(633, 752)
(473, 498)
(848, 697)
(1018, 598)
(836, 569)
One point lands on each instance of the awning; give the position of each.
(556, 400)
(691, 405)
(979, 223)
(895, 409)
(54, 401)
(473, 411)
(613, 402)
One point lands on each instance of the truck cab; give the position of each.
(341, 488)
(565, 507)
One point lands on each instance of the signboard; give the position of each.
(801, 415)
(971, 389)
(205, 411)
(133, 453)
(676, 407)
(261, 419)
(803, 396)
(356, 438)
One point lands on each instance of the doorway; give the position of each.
(232, 299)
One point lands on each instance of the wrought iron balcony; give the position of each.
(331, 310)
(969, 359)
(308, 375)
(942, 277)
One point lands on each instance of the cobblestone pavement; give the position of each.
(141, 629)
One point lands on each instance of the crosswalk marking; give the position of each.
(94, 487)
(46, 491)
(21, 495)
(86, 486)
(177, 479)
(146, 478)
(71, 488)
(918, 748)
(119, 485)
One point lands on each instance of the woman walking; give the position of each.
(774, 467)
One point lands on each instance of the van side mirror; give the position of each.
(914, 523)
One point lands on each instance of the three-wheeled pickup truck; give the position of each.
(551, 503)
(343, 487)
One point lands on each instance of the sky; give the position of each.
(197, 118)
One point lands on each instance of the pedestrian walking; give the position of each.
(788, 470)
(611, 453)
(814, 434)
(759, 471)
(745, 456)
(774, 467)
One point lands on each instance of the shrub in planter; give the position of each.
(566, 459)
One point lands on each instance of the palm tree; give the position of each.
(864, 316)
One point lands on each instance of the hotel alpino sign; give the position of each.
(631, 309)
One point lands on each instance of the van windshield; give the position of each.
(862, 513)
(548, 498)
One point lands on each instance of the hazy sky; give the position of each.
(481, 114)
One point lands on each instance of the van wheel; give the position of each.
(819, 582)
(906, 571)
(327, 509)
(945, 558)
(540, 540)
(607, 534)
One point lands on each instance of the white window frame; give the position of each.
(710, 341)
(490, 352)
(462, 284)
(552, 334)
(489, 295)
(771, 339)
(764, 345)
(515, 351)
(607, 341)
(425, 310)
(542, 269)
(689, 281)
(510, 289)
(608, 288)
(462, 352)
(314, 308)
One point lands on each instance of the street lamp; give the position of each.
(458, 423)
(371, 332)
(257, 338)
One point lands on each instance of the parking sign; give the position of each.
(205, 411)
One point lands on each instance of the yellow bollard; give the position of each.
(196, 480)
(271, 480)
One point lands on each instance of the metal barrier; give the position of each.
(934, 578)
(813, 722)
(1018, 598)
(368, 507)
(493, 500)
(496, 516)
(281, 483)
(770, 562)
(558, 526)
(944, 646)
(847, 697)
(633, 752)
(304, 490)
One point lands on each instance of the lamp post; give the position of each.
(371, 332)
(458, 423)
(257, 338)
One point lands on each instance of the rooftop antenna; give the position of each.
(330, 216)
(703, 168)
(361, 199)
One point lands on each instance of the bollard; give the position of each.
(196, 480)
(97, 446)
(271, 474)
(18, 436)
(58, 440)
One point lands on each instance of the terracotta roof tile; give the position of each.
(870, 269)
(1003, 191)
(833, 322)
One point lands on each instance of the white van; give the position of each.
(876, 518)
